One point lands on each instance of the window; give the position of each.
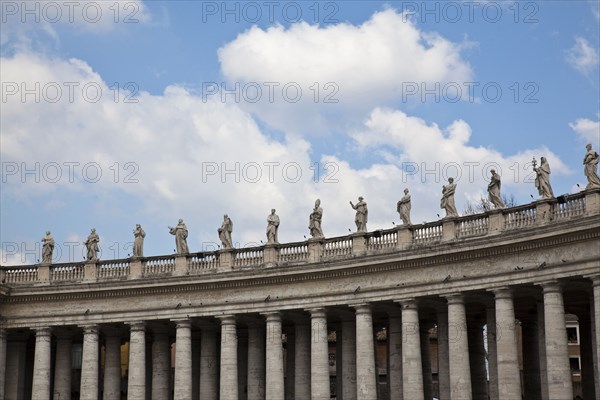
(574, 362)
(573, 335)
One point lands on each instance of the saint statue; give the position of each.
(92, 246)
(315, 218)
(362, 215)
(542, 179)
(590, 170)
(447, 201)
(225, 232)
(181, 234)
(494, 190)
(272, 227)
(403, 208)
(138, 241)
(47, 248)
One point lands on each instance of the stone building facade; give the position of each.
(254, 323)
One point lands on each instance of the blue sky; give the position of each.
(327, 100)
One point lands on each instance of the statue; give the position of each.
(447, 201)
(225, 232)
(542, 179)
(181, 234)
(315, 218)
(494, 190)
(92, 245)
(47, 248)
(138, 241)
(403, 208)
(362, 215)
(272, 227)
(591, 168)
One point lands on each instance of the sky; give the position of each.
(114, 113)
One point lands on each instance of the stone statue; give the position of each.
(225, 232)
(447, 201)
(542, 179)
(181, 234)
(362, 215)
(403, 208)
(272, 227)
(591, 168)
(138, 241)
(92, 245)
(47, 248)
(494, 190)
(315, 218)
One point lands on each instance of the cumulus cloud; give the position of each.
(583, 56)
(364, 64)
(24, 22)
(587, 130)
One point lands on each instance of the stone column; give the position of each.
(349, 360)
(161, 364)
(209, 379)
(426, 360)
(229, 362)
(560, 385)
(274, 370)
(90, 363)
(587, 361)
(509, 377)
(319, 356)
(531, 359)
(542, 351)
(136, 386)
(443, 360)
(63, 366)
(477, 358)
(41, 367)
(290, 359)
(15, 362)
(256, 362)
(394, 368)
(492, 353)
(366, 375)
(2, 362)
(458, 350)
(302, 361)
(183, 359)
(595, 307)
(112, 365)
(412, 366)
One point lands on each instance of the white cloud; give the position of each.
(583, 56)
(368, 63)
(24, 22)
(587, 130)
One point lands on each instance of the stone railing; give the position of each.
(398, 239)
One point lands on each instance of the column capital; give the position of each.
(362, 308)
(90, 329)
(455, 298)
(272, 316)
(137, 326)
(182, 323)
(226, 319)
(595, 280)
(408, 304)
(42, 331)
(504, 292)
(551, 287)
(317, 312)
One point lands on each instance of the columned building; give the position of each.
(256, 323)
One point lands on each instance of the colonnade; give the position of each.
(477, 352)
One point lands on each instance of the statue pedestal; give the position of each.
(448, 229)
(181, 264)
(44, 272)
(592, 201)
(543, 211)
(315, 246)
(359, 243)
(495, 221)
(136, 268)
(405, 237)
(90, 271)
(226, 257)
(271, 254)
